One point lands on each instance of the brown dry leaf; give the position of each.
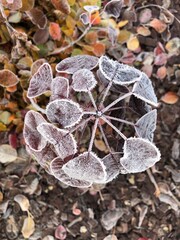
(7, 153)
(91, 37)
(27, 5)
(122, 23)
(61, 5)
(145, 15)
(8, 78)
(100, 145)
(144, 31)
(22, 201)
(133, 44)
(173, 46)
(170, 98)
(28, 227)
(158, 25)
(1, 197)
(162, 72)
(37, 17)
(99, 49)
(12, 89)
(41, 36)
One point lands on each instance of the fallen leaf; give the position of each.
(100, 145)
(145, 15)
(55, 31)
(122, 23)
(7, 153)
(133, 44)
(60, 232)
(8, 78)
(99, 49)
(111, 237)
(37, 17)
(28, 227)
(110, 218)
(27, 5)
(95, 18)
(12, 89)
(173, 46)
(161, 72)
(158, 25)
(144, 31)
(160, 59)
(61, 5)
(123, 36)
(22, 201)
(170, 98)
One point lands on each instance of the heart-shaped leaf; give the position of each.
(113, 166)
(84, 18)
(118, 73)
(41, 81)
(87, 167)
(59, 88)
(139, 155)
(57, 171)
(8, 78)
(72, 64)
(62, 140)
(65, 112)
(144, 90)
(113, 8)
(32, 137)
(146, 125)
(83, 80)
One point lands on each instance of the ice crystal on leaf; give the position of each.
(113, 8)
(85, 119)
(32, 137)
(83, 80)
(41, 81)
(139, 155)
(73, 64)
(65, 112)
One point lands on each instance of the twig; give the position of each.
(115, 129)
(116, 101)
(93, 135)
(104, 137)
(37, 107)
(152, 179)
(120, 120)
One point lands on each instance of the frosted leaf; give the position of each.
(145, 91)
(59, 88)
(64, 142)
(146, 125)
(31, 136)
(113, 8)
(57, 171)
(114, 87)
(72, 64)
(87, 167)
(113, 166)
(139, 155)
(90, 8)
(41, 81)
(44, 157)
(110, 217)
(119, 73)
(84, 17)
(65, 112)
(83, 80)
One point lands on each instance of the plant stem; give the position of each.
(104, 137)
(93, 135)
(92, 100)
(105, 93)
(89, 113)
(116, 101)
(37, 107)
(120, 120)
(79, 125)
(115, 129)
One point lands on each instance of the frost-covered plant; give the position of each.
(81, 136)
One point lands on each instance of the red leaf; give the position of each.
(60, 232)
(55, 31)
